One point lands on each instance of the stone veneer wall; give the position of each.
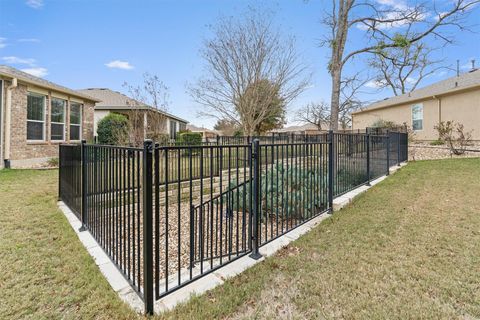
(24, 153)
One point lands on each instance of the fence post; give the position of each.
(388, 152)
(330, 171)
(60, 164)
(147, 226)
(368, 158)
(406, 146)
(83, 167)
(256, 199)
(398, 149)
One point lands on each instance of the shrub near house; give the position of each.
(113, 129)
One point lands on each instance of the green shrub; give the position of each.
(53, 162)
(302, 184)
(437, 143)
(381, 123)
(113, 129)
(188, 138)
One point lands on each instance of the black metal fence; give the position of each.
(70, 179)
(168, 215)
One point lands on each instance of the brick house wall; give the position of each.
(25, 153)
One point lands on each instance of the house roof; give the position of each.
(10, 72)
(304, 127)
(194, 128)
(451, 85)
(114, 100)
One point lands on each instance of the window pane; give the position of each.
(173, 129)
(75, 113)
(57, 131)
(35, 107)
(417, 124)
(58, 110)
(417, 112)
(34, 130)
(74, 132)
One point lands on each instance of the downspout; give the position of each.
(8, 107)
(439, 104)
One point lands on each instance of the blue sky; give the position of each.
(73, 43)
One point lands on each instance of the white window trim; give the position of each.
(44, 131)
(80, 134)
(62, 123)
(411, 116)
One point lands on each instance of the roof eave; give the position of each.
(433, 96)
(69, 92)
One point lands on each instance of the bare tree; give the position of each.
(319, 113)
(149, 102)
(316, 113)
(386, 24)
(244, 52)
(402, 69)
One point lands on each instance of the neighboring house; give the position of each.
(37, 115)
(456, 99)
(306, 129)
(207, 134)
(113, 101)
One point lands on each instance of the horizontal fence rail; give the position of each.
(168, 215)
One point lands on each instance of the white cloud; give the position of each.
(35, 4)
(118, 64)
(398, 9)
(410, 80)
(17, 60)
(36, 71)
(29, 40)
(373, 84)
(3, 42)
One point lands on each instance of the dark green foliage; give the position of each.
(295, 193)
(113, 129)
(188, 138)
(437, 142)
(346, 180)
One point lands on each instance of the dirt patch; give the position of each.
(275, 302)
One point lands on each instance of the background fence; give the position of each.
(168, 215)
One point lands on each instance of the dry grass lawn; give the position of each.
(407, 249)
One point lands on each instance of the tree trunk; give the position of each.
(335, 99)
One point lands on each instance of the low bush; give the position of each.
(188, 138)
(437, 142)
(454, 135)
(113, 129)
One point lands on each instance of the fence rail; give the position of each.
(168, 215)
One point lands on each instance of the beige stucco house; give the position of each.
(113, 101)
(207, 134)
(456, 99)
(37, 115)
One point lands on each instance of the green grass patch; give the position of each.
(409, 248)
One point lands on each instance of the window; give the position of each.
(35, 117)
(57, 119)
(173, 129)
(75, 121)
(183, 126)
(417, 116)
